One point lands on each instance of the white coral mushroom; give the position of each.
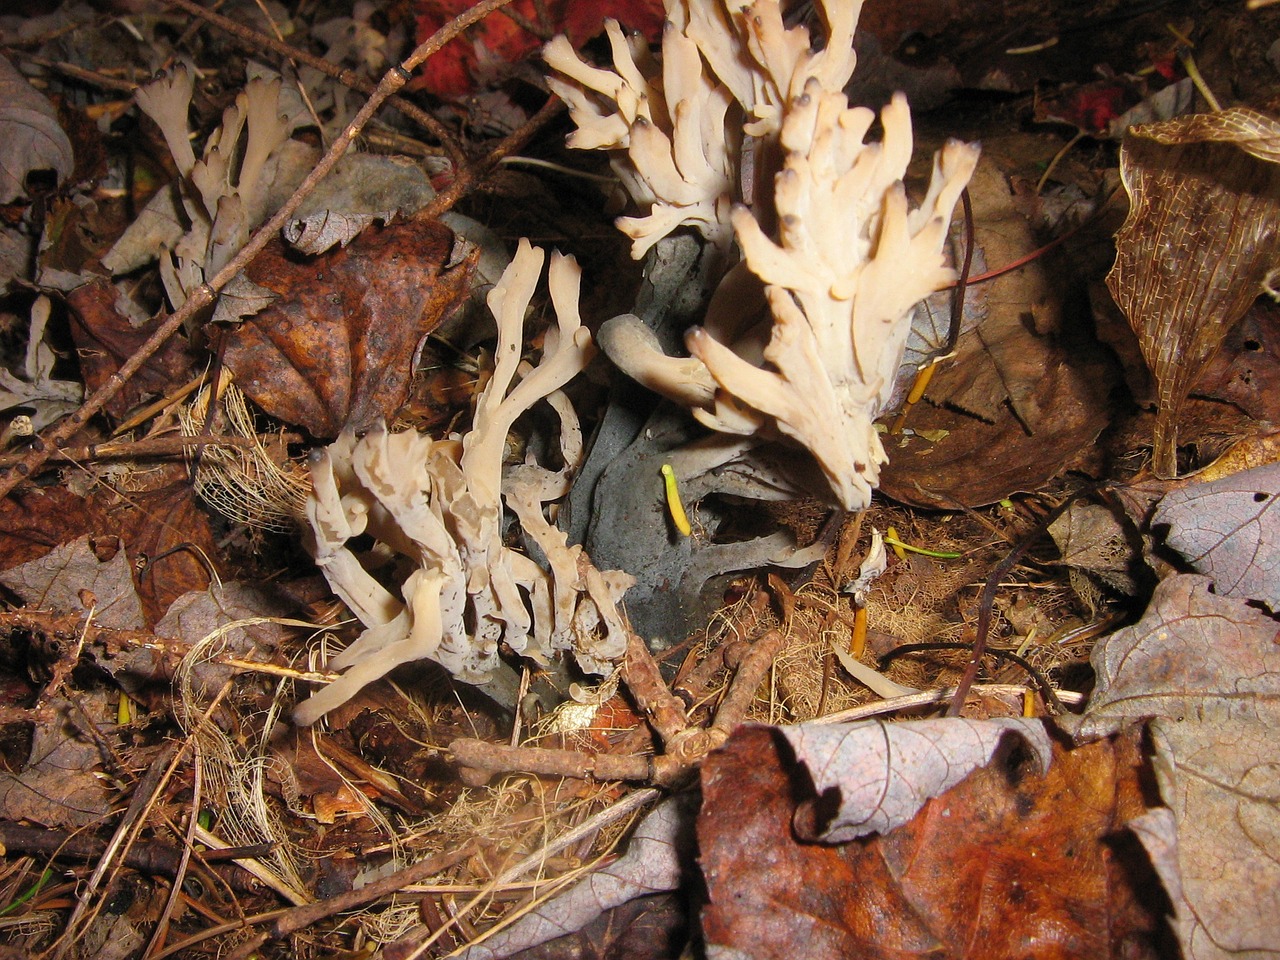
(850, 263)
(439, 505)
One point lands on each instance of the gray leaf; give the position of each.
(885, 772)
(1229, 530)
(30, 138)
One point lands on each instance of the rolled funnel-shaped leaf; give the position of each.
(1202, 233)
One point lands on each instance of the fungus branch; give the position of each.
(438, 505)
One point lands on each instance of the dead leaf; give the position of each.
(1208, 668)
(1193, 253)
(1024, 394)
(1229, 530)
(34, 520)
(1193, 654)
(58, 580)
(652, 864)
(336, 348)
(30, 137)
(58, 786)
(169, 536)
(1008, 864)
(105, 337)
(197, 615)
(1095, 539)
(884, 772)
(36, 388)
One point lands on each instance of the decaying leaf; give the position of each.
(884, 772)
(1202, 233)
(30, 138)
(1229, 530)
(106, 336)
(58, 786)
(58, 580)
(336, 348)
(1094, 541)
(652, 864)
(1024, 394)
(1207, 668)
(1007, 864)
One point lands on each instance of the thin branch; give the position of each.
(256, 40)
(204, 295)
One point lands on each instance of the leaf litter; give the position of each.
(988, 834)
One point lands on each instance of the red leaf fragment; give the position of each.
(451, 71)
(1008, 864)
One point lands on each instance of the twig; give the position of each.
(287, 921)
(467, 176)
(987, 600)
(154, 857)
(482, 760)
(1056, 706)
(640, 674)
(203, 295)
(256, 40)
(930, 697)
(150, 447)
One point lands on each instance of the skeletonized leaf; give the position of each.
(30, 138)
(329, 228)
(1229, 530)
(885, 772)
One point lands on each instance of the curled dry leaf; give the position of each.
(1007, 863)
(884, 772)
(1203, 231)
(30, 138)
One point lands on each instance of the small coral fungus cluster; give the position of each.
(828, 242)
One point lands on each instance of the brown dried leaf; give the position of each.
(336, 348)
(1008, 864)
(105, 338)
(1024, 394)
(34, 520)
(1203, 231)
